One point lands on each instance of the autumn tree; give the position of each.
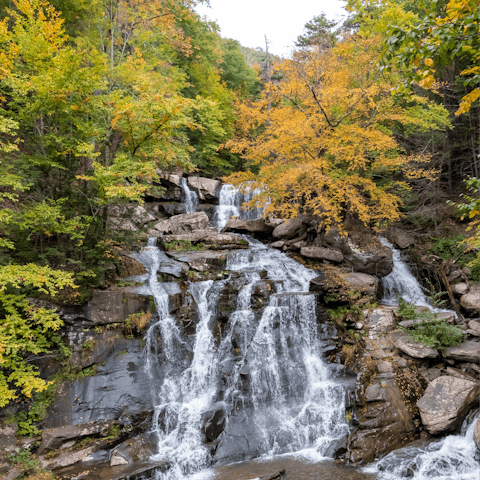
(323, 139)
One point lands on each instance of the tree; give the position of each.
(318, 32)
(323, 138)
(447, 35)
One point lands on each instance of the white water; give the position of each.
(401, 282)
(191, 197)
(453, 458)
(230, 205)
(277, 382)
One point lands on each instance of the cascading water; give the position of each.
(401, 282)
(191, 197)
(230, 204)
(262, 370)
(453, 458)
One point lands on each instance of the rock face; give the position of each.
(467, 351)
(471, 301)
(128, 217)
(185, 223)
(210, 238)
(105, 306)
(476, 434)
(474, 328)
(319, 253)
(415, 350)
(446, 403)
(206, 188)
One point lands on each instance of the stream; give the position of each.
(261, 380)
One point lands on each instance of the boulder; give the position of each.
(319, 253)
(258, 226)
(185, 223)
(67, 459)
(476, 434)
(136, 213)
(446, 402)
(474, 328)
(471, 301)
(206, 188)
(278, 244)
(53, 438)
(289, 228)
(129, 266)
(415, 350)
(399, 238)
(366, 284)
(372, 258)
(467, 351)
(169, 179)
(460, 288)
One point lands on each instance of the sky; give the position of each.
(280, 20)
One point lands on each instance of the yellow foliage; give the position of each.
(322, 137)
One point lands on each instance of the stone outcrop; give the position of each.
(474, 328)
(343, 286)
(258, 226)
(105, 306)
(319, 253)
(467, 351)
(446, 402)
(54, 437)
(206, 188)
(373, 259)
(210, 238)
(185, 223)
(415, 350)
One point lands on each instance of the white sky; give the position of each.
(281, 20)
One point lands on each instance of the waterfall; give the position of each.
(262, 371)
(191, 197)
(401, 282)
(453, 457)
(230, 204)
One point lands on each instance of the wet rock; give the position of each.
(415, 350)
(258, 226)
(117, 459)
(476, 434)
(399, 238)
(214, 423)
(319, 253)
(121, 388)
(273, 476)
(467, 351)
(278, 244)
(471, 301)
(206, 188)
(446, 403)
(210, 238)
(460, 288)
(201, 261)
(185, 223)
(290, 228)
